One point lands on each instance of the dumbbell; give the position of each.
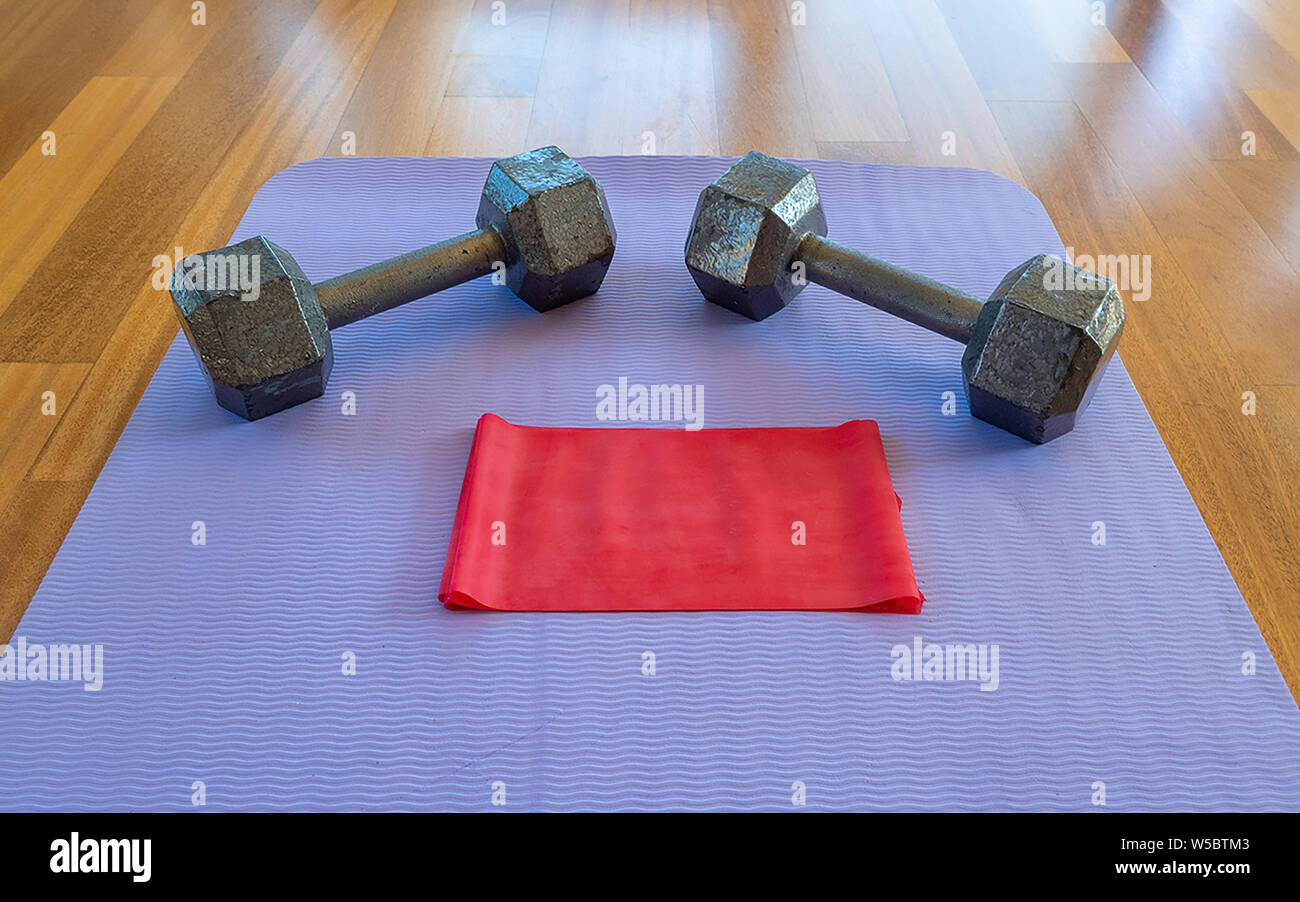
(1035, 350)
(265, 346)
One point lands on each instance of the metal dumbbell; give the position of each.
(265, 346)
(1035, 350)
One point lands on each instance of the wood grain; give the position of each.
(761, 101)
(34, 524)
(167, 42)
(1186, 75)
(499, 53)
(395, 105)
(35, 396)
(54, 49)
(1129, 129)
(1008, 62)
(134, 213)
(1211, 235)
(480, 127)
(91, 134)
(1282, 109)
(1074, 31)
(1270, 192)
(1247, 52)
(298, 114)
(582, 84)
(947, 118)
(1279, 20)
(669, 105)
(842, 69)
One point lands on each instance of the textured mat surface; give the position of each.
(1119, 665)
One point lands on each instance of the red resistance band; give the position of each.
(675, 520)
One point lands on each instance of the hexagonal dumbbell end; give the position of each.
(556, 225)
(747, 226)
(254, 324)
(1039, 346)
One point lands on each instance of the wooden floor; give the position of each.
(1170, 130)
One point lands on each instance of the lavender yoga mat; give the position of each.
(1100, 671)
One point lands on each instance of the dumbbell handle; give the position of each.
(391, 283)
(915, 298)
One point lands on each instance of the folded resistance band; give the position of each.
(624, 519)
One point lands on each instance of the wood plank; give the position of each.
(1270, 190)
(296, 120)
(1007, 60)
(582, 87)
(848, 93)
(36, 395)
(89, 426)
(937, 95)
(61, 316)
(480, 127)
(1278, 407)
(1283, 110)
(56, 48)
(395, 105)
(167, 42)
(30, 24)
(893, 153)
(1249, 56)
(760, 99)
(489, 75)
(1189, 377)
(1237, 271)
(32, 528)
(500, 50)
(1074, 30)
(668, 68)
(517, 29)
(1210, 106)
(1279, 19)
(93, 132)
